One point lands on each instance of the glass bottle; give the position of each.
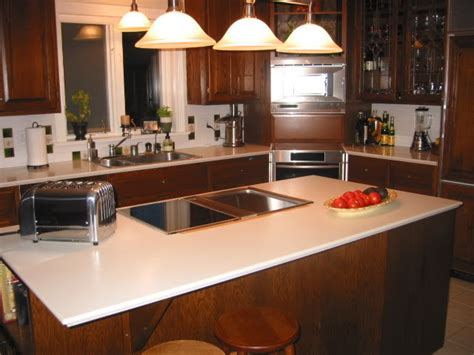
(385, 129)
(391, 130)
(168, 144)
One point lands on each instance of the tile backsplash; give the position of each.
(405, 121)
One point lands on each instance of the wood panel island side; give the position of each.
(374, 282)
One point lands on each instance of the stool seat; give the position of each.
(184, 347)
(257, 330)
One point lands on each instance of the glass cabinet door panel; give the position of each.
(426, 48)
(378, 42)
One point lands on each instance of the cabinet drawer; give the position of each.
(370, 171)
(309, 128)
(9, 201)
(159, 184)
(230, 173)
(411, 177)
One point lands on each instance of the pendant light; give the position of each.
(248, 33)
(175, 30)
(134, 20)
(309, 39)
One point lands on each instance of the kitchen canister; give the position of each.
(37, 155)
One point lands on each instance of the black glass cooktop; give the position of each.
(178, 215)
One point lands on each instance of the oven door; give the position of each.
(288, 171)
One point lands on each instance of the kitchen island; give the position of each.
(366, 283)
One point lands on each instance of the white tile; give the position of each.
(452, 349)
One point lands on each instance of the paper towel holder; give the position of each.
(37, 155)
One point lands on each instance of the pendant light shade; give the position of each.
(175, 30)
(134, 20)
(309, 39)
(248, 34)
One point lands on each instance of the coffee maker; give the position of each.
(421, 138)
(233, 127)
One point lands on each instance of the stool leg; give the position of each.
(290, 350)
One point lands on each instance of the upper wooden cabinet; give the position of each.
(217, 77)
(29, 64)
(399, 51)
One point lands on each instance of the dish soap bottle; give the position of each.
(168, 144)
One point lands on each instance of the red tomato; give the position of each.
(339, 203)
(361, 201)
(353, 203)
(366, 198)
(349, 194)
(375, 198)
(358, 192)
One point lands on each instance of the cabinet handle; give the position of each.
(241, 170)
(1, 99)
(366, 170)
(163, 181)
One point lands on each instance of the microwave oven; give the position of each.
(307, 88)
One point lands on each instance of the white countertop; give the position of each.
(393, 153)
(79, 168)
(139, 264)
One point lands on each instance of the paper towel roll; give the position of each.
(36, 146)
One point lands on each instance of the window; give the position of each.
(85, 68)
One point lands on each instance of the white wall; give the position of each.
(63, 150)
(405, 121)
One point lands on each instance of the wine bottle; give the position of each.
(391, 130)
(385, 129)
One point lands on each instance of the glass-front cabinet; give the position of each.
(329, 14)
(401, 50)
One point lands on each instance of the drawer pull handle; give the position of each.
(163, 181)
(366, 170)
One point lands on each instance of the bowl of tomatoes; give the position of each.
(358, 200)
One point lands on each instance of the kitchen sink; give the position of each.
(129, 160)
(199, 211)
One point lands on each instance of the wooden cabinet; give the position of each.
(464, 227)
(216, 77)
(230, 173)
(136, 187)
(159, 184)
(399, 52)
(412, 177)
(369, 171)
(28, 66)
(9, 203)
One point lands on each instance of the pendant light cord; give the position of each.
(309, 15)
(174, 5)
(249, 9)
(134, 6)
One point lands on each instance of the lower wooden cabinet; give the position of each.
(225, 174)
(411, 177)
(9, 202)
(464, 227)
(133, 188)
(144, 186)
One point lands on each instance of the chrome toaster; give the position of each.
(80, 211)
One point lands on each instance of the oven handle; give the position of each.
(307, 166)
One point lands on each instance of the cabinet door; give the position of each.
(9, 202)
(370, 171)
(219, 76)
(418, 178)
(144, 186)
(458, 146)
(230, 173)
(464, 227)
(378, 49)
(424, 45)
(29, 57)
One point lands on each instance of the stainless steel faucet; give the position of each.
(113, 147)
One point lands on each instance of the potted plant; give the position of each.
(164, 112)
(78, 121)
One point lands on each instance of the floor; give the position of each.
(460, 324)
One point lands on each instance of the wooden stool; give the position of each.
(184, 347)
(257, 330)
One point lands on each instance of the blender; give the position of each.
(421, 138)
